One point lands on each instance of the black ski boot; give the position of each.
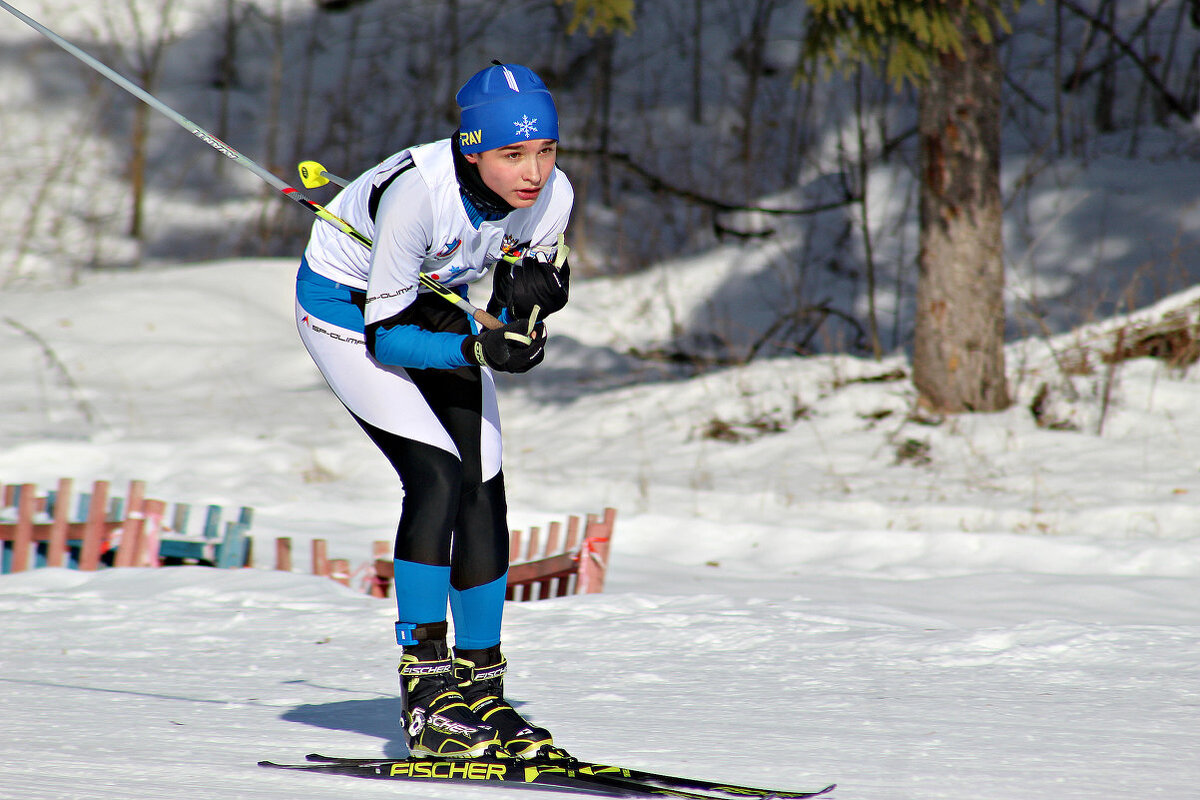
(437, 723)
(480, 676)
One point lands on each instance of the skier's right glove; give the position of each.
(517, 347)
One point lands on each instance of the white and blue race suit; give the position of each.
(392, 354)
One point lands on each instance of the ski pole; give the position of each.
(482, 317)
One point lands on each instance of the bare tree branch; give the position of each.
(658, 184)
(1173, 103)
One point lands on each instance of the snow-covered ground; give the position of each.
(975, 607)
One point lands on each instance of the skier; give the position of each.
(416, 374)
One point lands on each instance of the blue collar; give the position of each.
(476, 216)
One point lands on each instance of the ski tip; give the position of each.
(786, 795)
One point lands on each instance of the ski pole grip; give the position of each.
(486, 320)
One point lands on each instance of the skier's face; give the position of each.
(517, 172)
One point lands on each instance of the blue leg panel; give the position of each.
(478, 613)
(421, 591)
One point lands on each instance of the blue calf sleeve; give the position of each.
(478, 613)
(421, 592)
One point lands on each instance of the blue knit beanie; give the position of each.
(503, 104)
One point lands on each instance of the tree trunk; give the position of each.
(605, 46)
(697, 63)
(138, 144)
(226, 77)
(958, 355)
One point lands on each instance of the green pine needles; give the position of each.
(603, 16)
(902, 36)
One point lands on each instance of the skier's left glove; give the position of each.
(532, 281)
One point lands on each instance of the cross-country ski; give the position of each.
(564, 773)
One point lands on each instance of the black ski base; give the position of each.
(554, 771)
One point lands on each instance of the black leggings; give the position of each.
(450, 517)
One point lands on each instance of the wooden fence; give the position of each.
(96, 530)
(100, 530)
(571, 559)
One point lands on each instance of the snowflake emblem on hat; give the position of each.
(526, 126)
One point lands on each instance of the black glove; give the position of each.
(528, 283)
(513, 348)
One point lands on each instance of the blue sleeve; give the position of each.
(416, 348)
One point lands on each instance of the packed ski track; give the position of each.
(790, 610)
